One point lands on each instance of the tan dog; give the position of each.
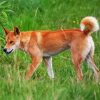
(45, 44)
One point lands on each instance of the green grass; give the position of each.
(45, 15)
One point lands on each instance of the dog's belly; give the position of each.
(54, 44)
(52, 53)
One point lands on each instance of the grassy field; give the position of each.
(46, 15)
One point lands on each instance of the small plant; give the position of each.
(5, 9)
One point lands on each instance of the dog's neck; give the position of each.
(24, 40)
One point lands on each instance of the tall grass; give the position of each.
(46, 15)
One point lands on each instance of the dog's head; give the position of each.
(12, 40)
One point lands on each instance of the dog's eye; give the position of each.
(11, 42)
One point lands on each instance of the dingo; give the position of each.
(45, 44)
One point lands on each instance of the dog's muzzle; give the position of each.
(5, 50)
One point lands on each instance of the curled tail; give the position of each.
(89, 24)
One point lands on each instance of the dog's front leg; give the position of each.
(48, 63)
(35, 63)
(36, 60)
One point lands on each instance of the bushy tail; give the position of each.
(89, 24)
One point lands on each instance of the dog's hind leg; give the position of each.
(48, 63)
(77, 60)
(90, 61)
(93, 66)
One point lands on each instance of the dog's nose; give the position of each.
(5, 50)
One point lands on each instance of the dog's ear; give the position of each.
(16, 31)
(6, 30)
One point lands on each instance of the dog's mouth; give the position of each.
(8, 52)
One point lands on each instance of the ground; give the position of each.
(46, 15)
